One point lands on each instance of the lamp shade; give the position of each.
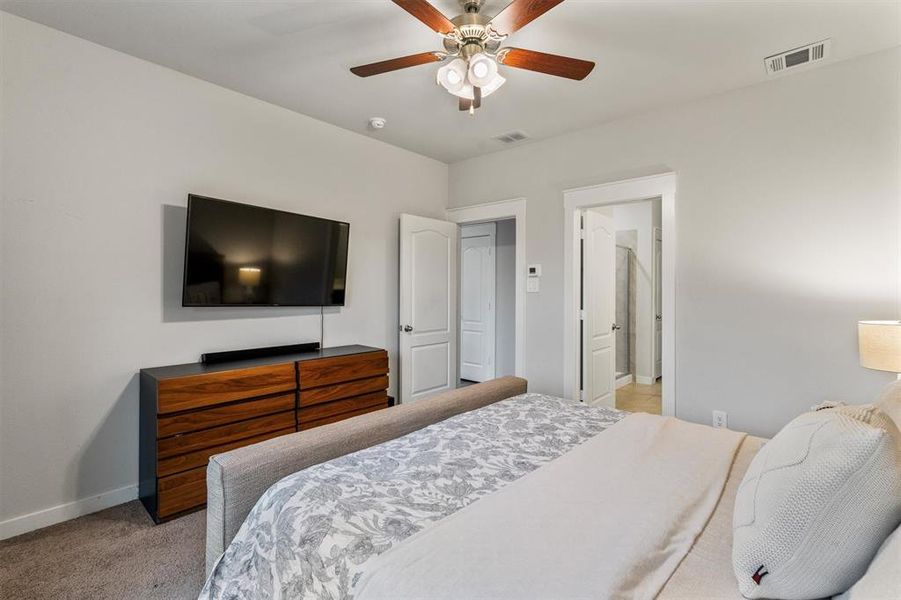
(249, 276)
(880, 345)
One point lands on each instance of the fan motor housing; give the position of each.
(471, 35)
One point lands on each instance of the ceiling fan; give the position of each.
(472, 43)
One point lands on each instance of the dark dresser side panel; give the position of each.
(147, 444)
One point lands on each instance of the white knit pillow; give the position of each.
(816, 503)
(882, 580)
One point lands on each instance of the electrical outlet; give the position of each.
(720, 420)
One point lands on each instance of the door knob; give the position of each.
(408, 328)
(615, 327)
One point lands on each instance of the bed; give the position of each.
(447, 498)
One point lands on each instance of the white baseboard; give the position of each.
(645, 380)
(623, 380)
(64, 512)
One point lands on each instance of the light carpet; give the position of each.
(116, 553)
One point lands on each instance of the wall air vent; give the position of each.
(797, 58)
(511, 137)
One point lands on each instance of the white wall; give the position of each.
(100, 150)
(787, 213)
(505, 321)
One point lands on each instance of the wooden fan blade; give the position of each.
(520, 13)
(464, 104)
(396, 63)
(550, 64)
(477, 97)
(428, 14)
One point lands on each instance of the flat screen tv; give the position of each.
(243, 255)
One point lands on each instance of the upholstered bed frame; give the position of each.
(237, 479)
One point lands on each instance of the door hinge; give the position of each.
(581, 234)
(581, 315)
(582, 395)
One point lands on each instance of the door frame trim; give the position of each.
(661, 186)
(514, 208)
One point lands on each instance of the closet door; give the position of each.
(477, 302)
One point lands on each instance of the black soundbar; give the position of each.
(232, 355)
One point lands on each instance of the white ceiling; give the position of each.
(297, 54)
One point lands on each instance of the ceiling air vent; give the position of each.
(511, 137)
(799, 57)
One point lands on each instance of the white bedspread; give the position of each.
(612, 518)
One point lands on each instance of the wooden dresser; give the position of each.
(190, 412)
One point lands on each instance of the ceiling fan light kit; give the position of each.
(462, 80)
(473, 43)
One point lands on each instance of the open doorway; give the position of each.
(492, 247)
(620, 306)
(487, 316)
(429, 296)
(618, 287)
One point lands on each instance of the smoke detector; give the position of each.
(798, 57)
(377, 123)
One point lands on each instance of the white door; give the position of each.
(428, 307)
(599, 281)
(477, 301)
(658, 303)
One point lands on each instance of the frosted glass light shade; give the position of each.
(880, 345)
(452, 76)
(466, 91)
(482, 70)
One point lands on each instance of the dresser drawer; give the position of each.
(304, 426)
(181, 492)
(222, 415)
(339, 369)
(337, 407)
(200, 458)
(197, 391)
(328, 393)
(217, 436)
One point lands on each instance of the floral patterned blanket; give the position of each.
(312, 533)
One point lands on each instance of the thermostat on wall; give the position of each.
(534, 270)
